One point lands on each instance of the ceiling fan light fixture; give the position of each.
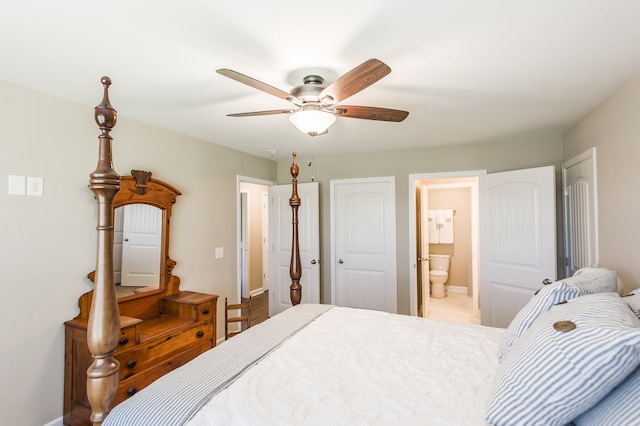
(312, 120)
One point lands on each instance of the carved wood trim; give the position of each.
(141, 177)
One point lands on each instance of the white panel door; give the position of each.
(364, 244)
(280, 240)
(517, 240)
(142, 240)
(118, 238)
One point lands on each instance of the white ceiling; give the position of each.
(466, 70)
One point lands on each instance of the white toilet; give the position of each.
(438, 274)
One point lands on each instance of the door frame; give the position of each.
(414, 180)
(239, 180)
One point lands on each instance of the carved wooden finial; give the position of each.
(105, 115)
(294, 166)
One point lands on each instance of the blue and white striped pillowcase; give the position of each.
(633, 300)
(593, 280)
(619, 407)
(540, 303)
(550, 377)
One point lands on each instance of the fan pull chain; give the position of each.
(310, 164)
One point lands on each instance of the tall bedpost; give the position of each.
(295, 266)
(104, 319)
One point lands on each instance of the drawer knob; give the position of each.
(124, 341)
(132, 391)
(131, 364)
(200, 333)
(205, 311)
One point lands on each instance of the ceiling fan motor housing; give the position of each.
(310, 90)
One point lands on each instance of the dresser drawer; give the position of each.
(126, 340)
(204, 311)
(154, 351)
(190, 305)
(130, 386)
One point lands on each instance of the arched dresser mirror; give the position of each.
(161, 327)
(146, 203)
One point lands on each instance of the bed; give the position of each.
(571, 355)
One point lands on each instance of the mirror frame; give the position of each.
(141, 188)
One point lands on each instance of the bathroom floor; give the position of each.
(456, 307)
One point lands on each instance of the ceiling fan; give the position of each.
(317, 105)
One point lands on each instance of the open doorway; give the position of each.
(455, 193)
(253, 237)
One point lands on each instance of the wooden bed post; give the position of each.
(295, 266)
(104, 320)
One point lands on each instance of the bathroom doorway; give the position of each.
(457, 194)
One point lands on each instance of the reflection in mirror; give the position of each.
(141, 219)
(137, 248)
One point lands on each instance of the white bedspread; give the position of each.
(361, 367)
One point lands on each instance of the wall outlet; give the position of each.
(35, 186)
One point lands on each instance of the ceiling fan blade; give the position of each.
(256, 84)
(371, 113)
(254, 113)
(359, 78)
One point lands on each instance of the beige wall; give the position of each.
(48, 244)
(614, 129)
(493, 157)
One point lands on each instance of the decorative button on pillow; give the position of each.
(551, 376)
(548, 296)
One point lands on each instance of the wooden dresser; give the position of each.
(161, 327)
(148, 348)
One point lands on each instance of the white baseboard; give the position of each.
(55, 422)
(457, 289)
(257, 291)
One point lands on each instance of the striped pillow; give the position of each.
(619, 408)
(593, 280)
(552, 374)
(540, 303)
(633, 300)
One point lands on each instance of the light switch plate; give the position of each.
(17, 185)
(219, 252)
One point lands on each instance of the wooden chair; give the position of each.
(243, 319)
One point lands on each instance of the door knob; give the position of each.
(546, 281)
(126, 239)
(340, 261)
(313, 261)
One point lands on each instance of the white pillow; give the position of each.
(549, 377)
(619, 408)
(540, 303)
